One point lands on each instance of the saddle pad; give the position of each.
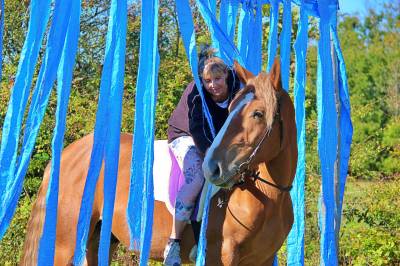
(168, 179)
(162, 171)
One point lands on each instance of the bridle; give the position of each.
(244, 168)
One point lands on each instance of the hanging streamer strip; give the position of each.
(223, 20)
(1, 36)
(212, 5)
(295, 242)
(106, 140)
(12, 177)
(231, 7)
(118, 14)
(64, 78)
(254, 52)
(243, 28)
(189, 39)
(273, 33)
(228, 48)
(230, 52)
(327, 135)
(141, 197)
(16, 108)
(286, 43)
(346, 127)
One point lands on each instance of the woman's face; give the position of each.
(216, 85)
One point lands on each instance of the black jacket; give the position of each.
(188, 118)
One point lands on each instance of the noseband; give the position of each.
(244, 168)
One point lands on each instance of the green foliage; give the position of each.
(12, 242)
(371, 224)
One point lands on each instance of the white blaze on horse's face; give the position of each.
(211, 168)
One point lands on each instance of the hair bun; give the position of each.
(206, 52)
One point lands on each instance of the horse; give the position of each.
(253, 159)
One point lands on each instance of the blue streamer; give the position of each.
(64, 77)
(273, 33)
(327, 136)
(19, 97)
(243, 28)
(141, 197)
(1, 36)
(44, 84)
(228, 48)
(254, 52)
(202, 246)
(286, 43)
(295, 242)
(230, 18)
(110, 88)
(212, 5)
(189, 39)
(118, 23)
(346, 127)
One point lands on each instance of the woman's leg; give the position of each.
(190, 161)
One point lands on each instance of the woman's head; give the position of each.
(214, 77)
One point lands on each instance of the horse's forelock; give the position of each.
(265, 92)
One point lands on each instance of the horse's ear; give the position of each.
(275, 74)
(243, 74)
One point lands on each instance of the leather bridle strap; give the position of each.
(256, 176)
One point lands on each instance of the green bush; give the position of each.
(12, 243)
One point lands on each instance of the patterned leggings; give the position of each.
(190, 161)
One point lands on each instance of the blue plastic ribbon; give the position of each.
(189, 39)
(228, 15)
(327, 136)
(346, 127)
(141, 197)
(212, 5)
(106, 135)
(118, 24)
(254, 51)
(243, 28)
(286, 43)
(12, 177)
(64, 77)
(228, 48)
(295, 242)
(273, 33)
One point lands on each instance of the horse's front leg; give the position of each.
(226, 254)
(230, 253)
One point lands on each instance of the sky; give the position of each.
(359, 6)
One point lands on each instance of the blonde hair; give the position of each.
(214, 66)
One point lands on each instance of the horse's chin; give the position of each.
(226, 181)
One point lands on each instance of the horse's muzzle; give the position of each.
(212, 171)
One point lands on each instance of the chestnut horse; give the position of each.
(254, 155)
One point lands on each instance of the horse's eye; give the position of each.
(258, 114)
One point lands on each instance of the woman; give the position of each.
(189, 137)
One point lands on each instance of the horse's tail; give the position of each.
(35, 224)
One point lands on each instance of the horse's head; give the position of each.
(260, 121)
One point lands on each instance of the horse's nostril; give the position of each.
(211, 170)
(217, 171)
